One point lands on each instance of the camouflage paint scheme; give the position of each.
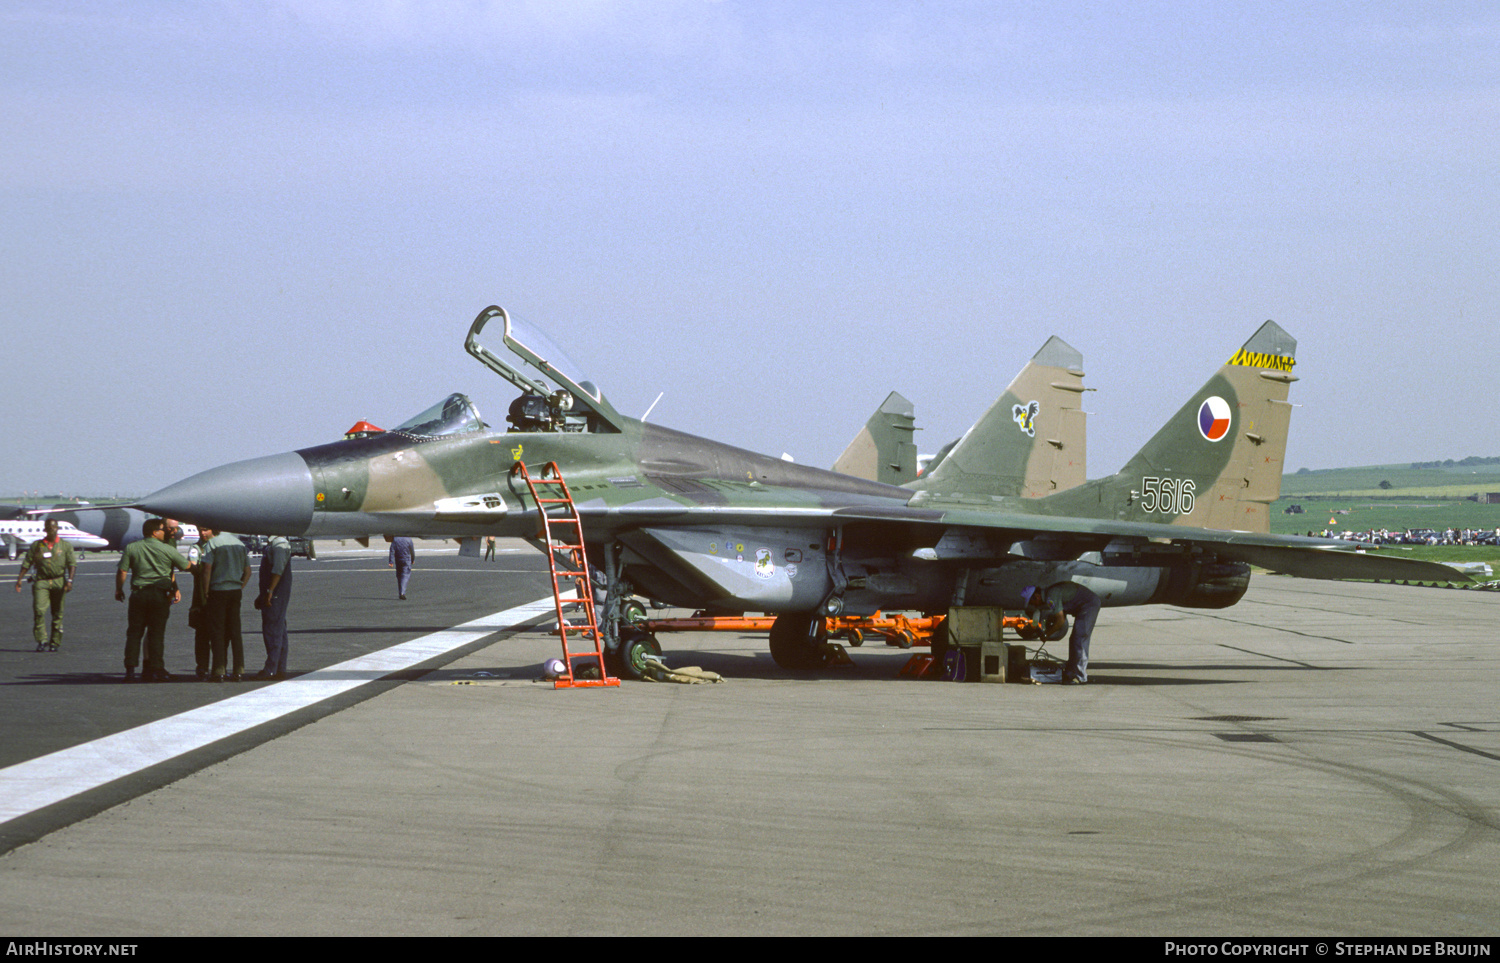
(1030, 443)
(701, 524)
(883, 450)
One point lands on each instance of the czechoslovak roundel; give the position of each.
(1213, 418)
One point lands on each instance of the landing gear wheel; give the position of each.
(793, 642)
(631, 610)
(940, 647)
(635, 647)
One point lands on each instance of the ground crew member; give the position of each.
(401, 557)
(152, 565)
(55, 562)
(226, 570)
(1067, 598)
(275, 595)
(198, 612)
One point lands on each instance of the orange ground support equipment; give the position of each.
(897, 629)
(562, 534)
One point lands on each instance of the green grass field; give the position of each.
(1433, 498)
(1394, 514)
(1454, 482)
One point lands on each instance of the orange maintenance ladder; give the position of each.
(562, 537)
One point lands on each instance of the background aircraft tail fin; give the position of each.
(883, 450)
(1217, 463)
(1031, 442)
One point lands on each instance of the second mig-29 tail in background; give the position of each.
(704, 525)
(884, 449)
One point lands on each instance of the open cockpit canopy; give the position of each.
(555, 395)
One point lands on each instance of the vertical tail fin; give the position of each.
(1217, 463)
(883, 450)
(1031, 442)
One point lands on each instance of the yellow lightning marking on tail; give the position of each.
(1259, 359)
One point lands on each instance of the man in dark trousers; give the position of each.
(152, 566)
(197, 611)
(1067, 598)
(226, 570)
(275, 595)
(401, 557)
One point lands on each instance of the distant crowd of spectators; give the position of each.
(1417, 536)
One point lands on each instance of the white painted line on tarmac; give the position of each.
(31, 785)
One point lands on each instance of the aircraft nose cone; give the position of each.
(262, 496)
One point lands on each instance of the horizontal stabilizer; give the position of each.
(1339, 564)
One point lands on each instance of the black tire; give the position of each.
(631, 610)
(940, 647)
(793, 644)
(634, 648)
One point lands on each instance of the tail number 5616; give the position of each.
(1171, 496)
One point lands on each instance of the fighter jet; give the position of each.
(705, 525)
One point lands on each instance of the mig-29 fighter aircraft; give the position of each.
(704, 525)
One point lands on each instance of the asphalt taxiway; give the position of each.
(1321, 759)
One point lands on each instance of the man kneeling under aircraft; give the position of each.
(1050, 606)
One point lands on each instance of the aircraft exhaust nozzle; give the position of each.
(262, 496)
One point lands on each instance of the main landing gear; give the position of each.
(799, 641)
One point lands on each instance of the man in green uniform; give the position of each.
(54, 561)
(152, 565)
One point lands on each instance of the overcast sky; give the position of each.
(234, 228)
